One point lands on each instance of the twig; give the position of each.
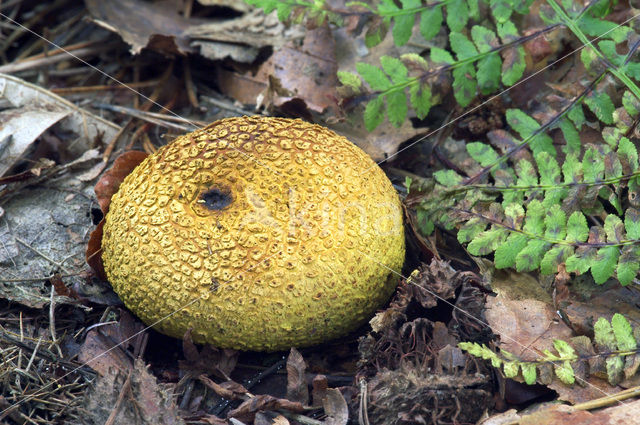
(153, 97)
(59, 265)
(608, 400)
(226, 105)
(33, 355)
(301, 418)
(188, 82)
(142, 130)
(147, 116)
(125, 389)
(52, 320)
(59, 51)
(103, 87)
(8, 41)
(363, 416)
(38, 279)
(12, 68)
(65, 31)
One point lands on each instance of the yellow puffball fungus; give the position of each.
(255, 233)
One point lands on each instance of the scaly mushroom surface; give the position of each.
(255, 233)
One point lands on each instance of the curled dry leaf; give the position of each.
(297, 389)
(335, 407)
(230, 390)
(155, 25)
(247, 410)
(144, 402)
(319, 389)
(109, 183)
(20, 128)
(241, 38)
(281, 79)
(210, 360)
(437, 278)
(106, 187)
(105, 346)
(91, 128)
(94, 250)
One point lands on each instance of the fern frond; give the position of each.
(614, 341)
(315, 12)
(534, 214)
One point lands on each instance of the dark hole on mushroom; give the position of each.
(96, 215)
(216, 199)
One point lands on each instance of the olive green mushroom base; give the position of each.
(256, 234)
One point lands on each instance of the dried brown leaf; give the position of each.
(93, 253)
(242, 38)
(104, 347)
(189, 349)
(270, 419)
(154, 25)
(147, 403)
(247, 410)
(62, 289)
(100, 353)
(450, 358)
(214, 420)
(109, 183)
(538, 48)
(230, 390)
(210, 360)
(106, 187)
(335, 407)
(315, 85)
(319, 390)
(622, 413)
(297, 389)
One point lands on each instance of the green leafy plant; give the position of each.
(315, 11)
(613, 353)
(538, 215)
(493, 55)
(483, 59)
(534, 195)
(532, 213)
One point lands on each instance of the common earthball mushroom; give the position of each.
(255, 233)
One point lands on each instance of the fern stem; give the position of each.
(544, 127)
(571, 24)
(543, 237)
(603, 182)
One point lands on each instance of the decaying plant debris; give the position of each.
(133, 74)
(410, 366)
(39, 385)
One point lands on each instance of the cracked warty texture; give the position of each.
(256, 233)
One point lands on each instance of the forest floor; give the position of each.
(81, 83)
